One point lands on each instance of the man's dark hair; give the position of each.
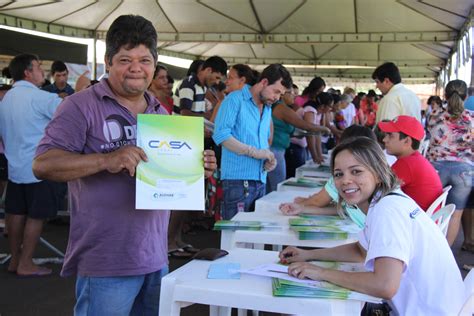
(275, 72)
(387, 70)
(19, 64)
(58, 66)
(256, 75)
(314, 86)
(246, 72)
(415, 144)
(130, 31)
(217, 64)
(6, 73)
(294, 87)
(170, 79)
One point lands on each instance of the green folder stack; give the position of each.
(321, 289)
(245, 225)
(323, 227)
(305, 183)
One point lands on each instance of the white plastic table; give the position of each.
(277, 237)
(272, 200)
(189, 284)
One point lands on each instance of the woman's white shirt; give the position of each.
(431, 283)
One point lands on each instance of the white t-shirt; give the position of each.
(349, 113)
(390, 158)
(431, 282)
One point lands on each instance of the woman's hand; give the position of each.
(291, 208)
(300, 200)
(292, 254)
(306, 270)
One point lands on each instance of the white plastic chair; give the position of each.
(442, 217)
(468, 307)
(424, 147)
(440, 200)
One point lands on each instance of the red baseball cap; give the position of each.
(405, 124)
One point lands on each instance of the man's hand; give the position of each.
(125, 158)
(210, 163)
(270, 164)
(264, 154)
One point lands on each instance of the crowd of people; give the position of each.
(259, 130)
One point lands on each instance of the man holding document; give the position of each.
(243, 128)
(118, 253)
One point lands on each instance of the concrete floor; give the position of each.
(55, 295)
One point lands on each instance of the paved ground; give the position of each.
(55, 295)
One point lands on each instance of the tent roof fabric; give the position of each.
(311, 35)
(14, 43)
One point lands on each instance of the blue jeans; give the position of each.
(240, 195)
(295, 157)
(117, 296)
(278, 174)
(460, 176)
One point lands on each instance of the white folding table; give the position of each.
(277, 237)
(189, 285)
(272, 200)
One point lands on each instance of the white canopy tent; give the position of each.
(330, 38)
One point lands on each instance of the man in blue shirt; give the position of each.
(59, 73)
(24, 113)
(243, 128)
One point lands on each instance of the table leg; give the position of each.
(168, 306)
(219, 310)
(227, 240)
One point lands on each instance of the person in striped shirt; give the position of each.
(192, 91)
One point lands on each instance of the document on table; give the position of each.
(173, 176)
(275, 270)
(286, 285)
(224, 271)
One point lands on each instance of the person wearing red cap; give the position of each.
(418, 177)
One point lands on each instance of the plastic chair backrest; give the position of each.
(468, 307)
(440, 200)
(442, 217)
(424, 147)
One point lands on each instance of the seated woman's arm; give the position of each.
(383, 282)
(312, 204)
